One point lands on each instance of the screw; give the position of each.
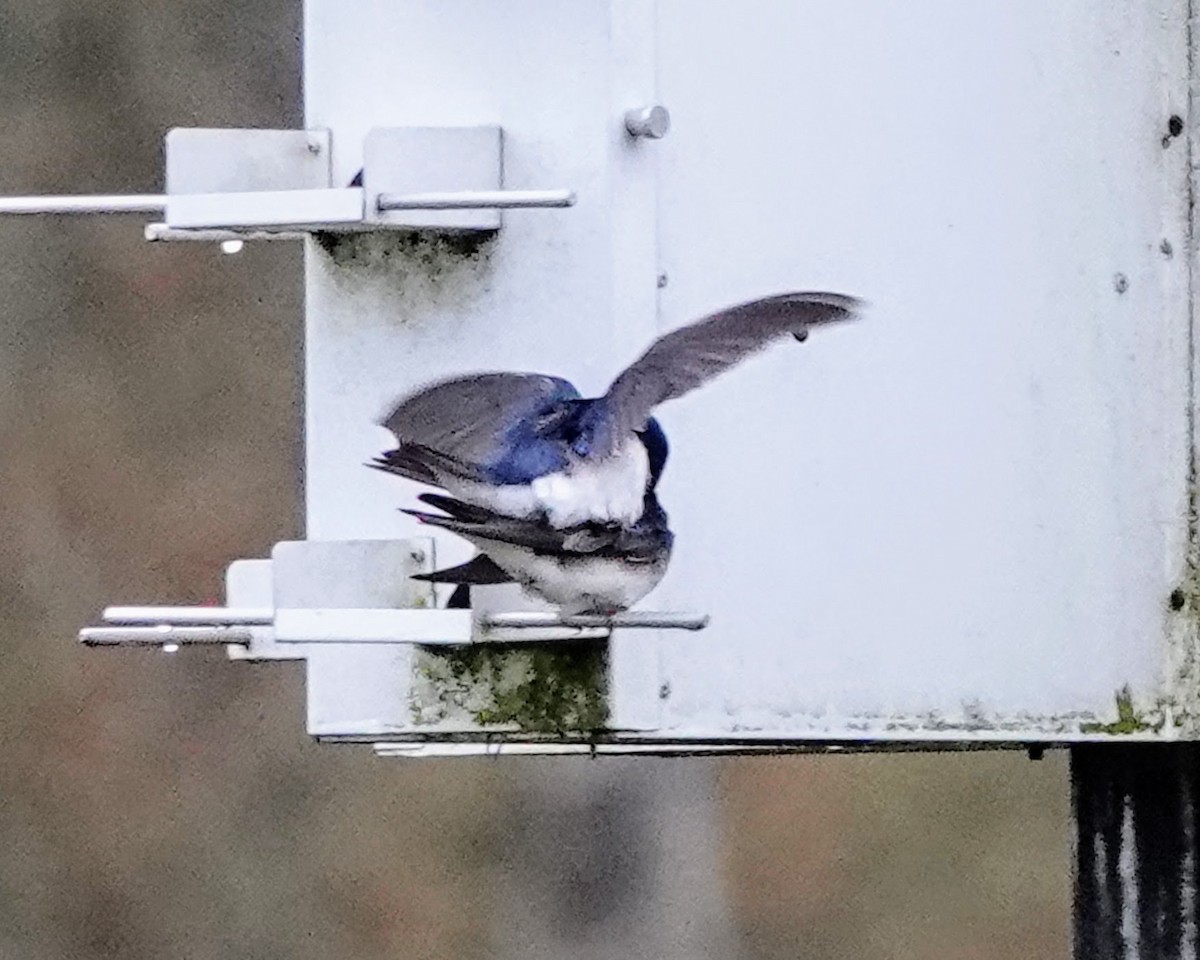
(314, 147)
(662, 280)
(1120, 283)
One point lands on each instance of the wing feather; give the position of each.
(480, 524)
(684, 359)
(463, 418)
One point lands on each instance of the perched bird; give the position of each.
(558, 491)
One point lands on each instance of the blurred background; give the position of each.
(154, 806)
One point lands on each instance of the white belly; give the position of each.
(581, 586)
(610, 490)
(511, 500)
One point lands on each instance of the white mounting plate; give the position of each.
(249, 583)
(221, 160)
(265, 182)
(237, 185)
(262, 180)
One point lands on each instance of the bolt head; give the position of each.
(651, 122)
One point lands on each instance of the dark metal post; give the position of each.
(1135, 851)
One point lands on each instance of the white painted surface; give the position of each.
(366, 625)
(959, 518)
(973, 503)
(214, 160)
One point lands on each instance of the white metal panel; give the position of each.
(216, 160)
(969, 510)
(249, 584)
(369, 625)
(959, 518)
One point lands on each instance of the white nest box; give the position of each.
(965, 519)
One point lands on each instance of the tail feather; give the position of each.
(478, 571)
(437, 520)
(458, 509)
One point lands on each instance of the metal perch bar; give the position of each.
(522, 620)
(475, 199)
(191, 616)
(636, 620)
(163, 635)
(162, 626)
(158, 232)
(157, 203)
(114, 203)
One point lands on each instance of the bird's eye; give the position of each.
(582, 446)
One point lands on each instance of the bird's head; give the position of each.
(588, 428)
(657, 448)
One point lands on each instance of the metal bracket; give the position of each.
(177, 626)
(229, 186)
(277, 623)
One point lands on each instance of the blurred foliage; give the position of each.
(158, 807)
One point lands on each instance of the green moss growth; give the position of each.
(1129, 720)
(549, 688)
(430, 249)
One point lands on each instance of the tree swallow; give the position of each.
(557, 491)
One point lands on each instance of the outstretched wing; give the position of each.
(684, 359)
(459, 426)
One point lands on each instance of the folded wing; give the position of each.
(462, 427)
